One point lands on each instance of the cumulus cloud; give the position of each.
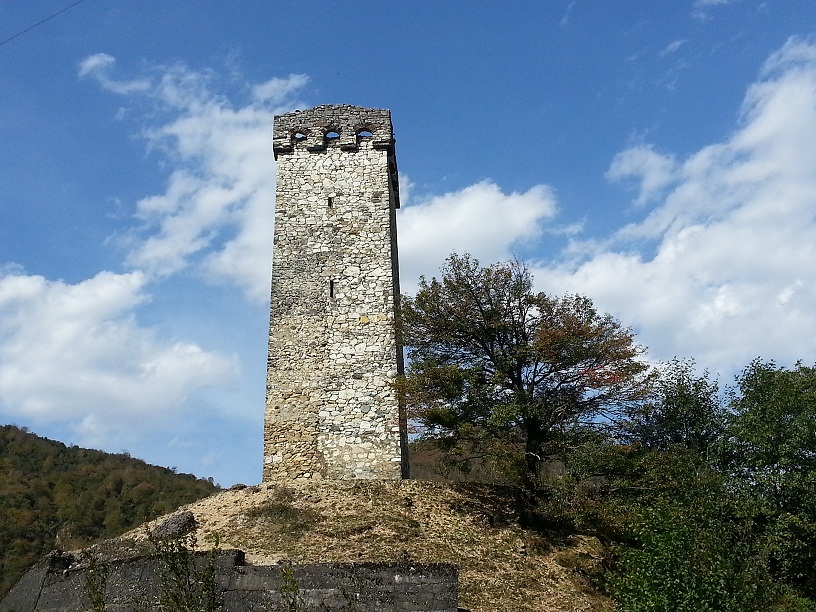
(722, 267)
(74, 353)
(216, 211)
(480, 219)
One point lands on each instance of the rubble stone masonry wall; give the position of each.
(331, 409)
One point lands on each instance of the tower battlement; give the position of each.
(314, 129)
(331, 407)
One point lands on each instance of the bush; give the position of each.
(688, 559)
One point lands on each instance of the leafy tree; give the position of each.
(771, 432)
(495, 365)
(725, 501)
(682, 409)
(770, 452)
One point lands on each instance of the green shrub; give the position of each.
(687, 559)
(187, 581)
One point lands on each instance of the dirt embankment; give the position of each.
(503, 567)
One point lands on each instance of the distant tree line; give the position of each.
(705, 498)
(56, 496)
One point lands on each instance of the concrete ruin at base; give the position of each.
(135, 583)
(334, 351)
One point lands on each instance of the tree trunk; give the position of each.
(533, 448)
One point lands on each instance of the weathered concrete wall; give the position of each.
(133, 584)
(331, 410)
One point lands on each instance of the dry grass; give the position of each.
(502, 566)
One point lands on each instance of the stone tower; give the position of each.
(331, 409)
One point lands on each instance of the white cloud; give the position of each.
(698, 11)
(74, 353)
(95, 64)
(219, 203)
(100, 65)
(672, 47)
(565, 19)
(279, 89)
(732, 274)
(479, 219)
(654, 171)
(217, 209)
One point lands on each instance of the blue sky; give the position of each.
(658, 157)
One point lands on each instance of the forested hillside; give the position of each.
(56, 496)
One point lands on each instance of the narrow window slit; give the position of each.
(330, 202)
(331, 289)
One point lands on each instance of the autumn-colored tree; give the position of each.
(496, 364)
